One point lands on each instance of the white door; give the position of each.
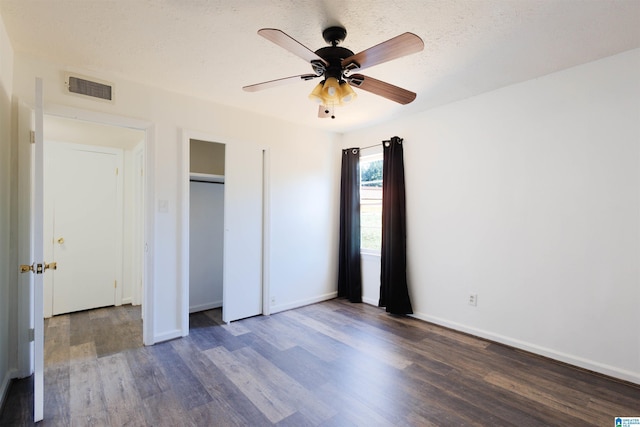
(83, 185)
(30, 247)
(243, 240)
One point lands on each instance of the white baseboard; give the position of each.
(4, 387)
(207, 306)
(301, 303)
(370, 301)
(126, 300)
(533, 348)
(166, 336)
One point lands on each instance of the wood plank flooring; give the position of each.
(328, 364)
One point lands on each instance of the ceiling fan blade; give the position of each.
(278, 82)
(289, 43)
(397, 47)
(378, 87)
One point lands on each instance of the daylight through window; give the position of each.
(371, 203)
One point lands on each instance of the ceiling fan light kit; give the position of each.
(346, 93)
(335, 63)
(316, 93)
(331, 89)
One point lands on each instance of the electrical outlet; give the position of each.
(473, 299)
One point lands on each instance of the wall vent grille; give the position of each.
(82, 86)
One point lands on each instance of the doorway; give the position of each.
(93, 222)
(30, 228)
(206, 224)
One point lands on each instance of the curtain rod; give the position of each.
(375, 145)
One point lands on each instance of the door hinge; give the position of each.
(116, 171)
(115, 283)
(32, 137)
(32, 335)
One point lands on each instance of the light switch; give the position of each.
(163, 206)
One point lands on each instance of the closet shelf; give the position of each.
(205, 177)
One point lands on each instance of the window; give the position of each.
(371, 203)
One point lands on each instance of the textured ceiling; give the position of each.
(210, 49)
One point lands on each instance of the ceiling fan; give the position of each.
(336, 65)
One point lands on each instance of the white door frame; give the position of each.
(37, 214)
(149, 211)
(139, 198)
(183, 224)
(266, 231)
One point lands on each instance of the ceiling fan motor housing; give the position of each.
(334, 35)
(334, 56)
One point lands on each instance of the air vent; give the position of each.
(92, 88)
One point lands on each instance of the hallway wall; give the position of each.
(8, 186)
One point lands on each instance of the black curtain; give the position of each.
(394, 294)
(349, 268)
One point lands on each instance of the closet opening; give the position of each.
(206, 225)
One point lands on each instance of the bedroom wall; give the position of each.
(529, 196)
(292, 223)
(7, 183)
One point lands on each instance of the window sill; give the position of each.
(370, 255)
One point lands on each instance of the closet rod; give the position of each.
(206, 182)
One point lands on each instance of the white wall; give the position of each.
(304, 205)
(7, 217)
(170, 113)
(529, 196)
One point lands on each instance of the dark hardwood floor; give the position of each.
(328, 364)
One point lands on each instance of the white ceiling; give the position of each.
(210, 49)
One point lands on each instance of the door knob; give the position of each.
(26, 268)
(60, 240)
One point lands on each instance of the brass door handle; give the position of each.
(38, 268)
(60, 240)
(26, 268)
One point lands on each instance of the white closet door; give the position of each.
(243, 232)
